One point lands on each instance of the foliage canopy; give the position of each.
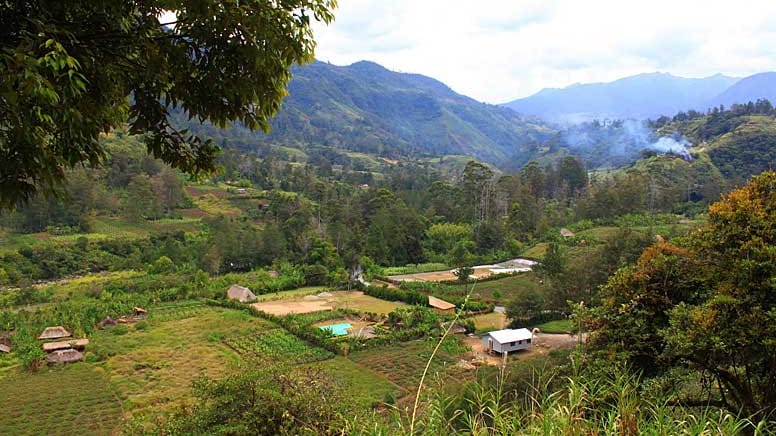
(72, 70)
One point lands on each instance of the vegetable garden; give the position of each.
(277, 344)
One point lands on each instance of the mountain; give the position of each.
(748, 89)
(367, 108)
(641, 96)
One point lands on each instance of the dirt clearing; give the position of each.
(355, 300)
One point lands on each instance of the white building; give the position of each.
(507, 340)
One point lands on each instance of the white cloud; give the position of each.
(498, 51)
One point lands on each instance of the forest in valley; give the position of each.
(665, 265)
(206, 231)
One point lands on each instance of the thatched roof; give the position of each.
(5, 348)
(240, 293)
(436, 303)
(54, 333)
(65, 356)
(64, 345)
(566, 233)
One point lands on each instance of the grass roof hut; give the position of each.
(5, 348)
(65, 356)
(240, 293)
(56, 332)
(566, 233)
(79, 344)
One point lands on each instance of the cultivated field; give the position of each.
(151, 365)
(403, 363)
(77, 399)
(338, 300)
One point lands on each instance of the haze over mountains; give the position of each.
(643, 96)
(366, 108)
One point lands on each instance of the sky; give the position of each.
(497, 51)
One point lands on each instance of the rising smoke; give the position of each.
(620, 142)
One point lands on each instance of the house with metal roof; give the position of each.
(507, 340)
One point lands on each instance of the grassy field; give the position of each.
(365, 303)
(558, 326)
(415, 268)
(153, 367)
(293, 293)
(490, 321)
(76, 399)
(499, 291)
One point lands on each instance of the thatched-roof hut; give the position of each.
(56, 332)
(240, 293)
(439, 305)
(79, 344)
(5, 348)
(65, 356)
(566, 233)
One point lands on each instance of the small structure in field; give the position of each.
(65, 356)
(507, 340)
(5, 348)
(566, 233)
(456, 329)
(107, 322)
(56, 332)
(240, 293)
(440, 306)
(78, 344)
(139, 311)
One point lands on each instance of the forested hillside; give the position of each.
(367, 108)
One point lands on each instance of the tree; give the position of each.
(69, 69)
(276, 400)
(525, 307)
(708, 304)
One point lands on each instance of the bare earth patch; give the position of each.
(481, 271)
(355, 300)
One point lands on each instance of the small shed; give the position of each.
(56, 332)
(5, 348)
(507, 340)
(440, 306)
(240, 293)
(566, 233)
(65, 356)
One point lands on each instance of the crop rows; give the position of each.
(403, 364)
(177, 310)
(278, 344)
(75, 400)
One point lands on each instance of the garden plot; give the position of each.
(354, 300)
(403, 363)
(277, 345)
(151, 365)
(76, 399)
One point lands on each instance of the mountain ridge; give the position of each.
(640, 96)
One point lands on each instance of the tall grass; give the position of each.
(612, 404)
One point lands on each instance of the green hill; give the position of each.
(367, 108)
